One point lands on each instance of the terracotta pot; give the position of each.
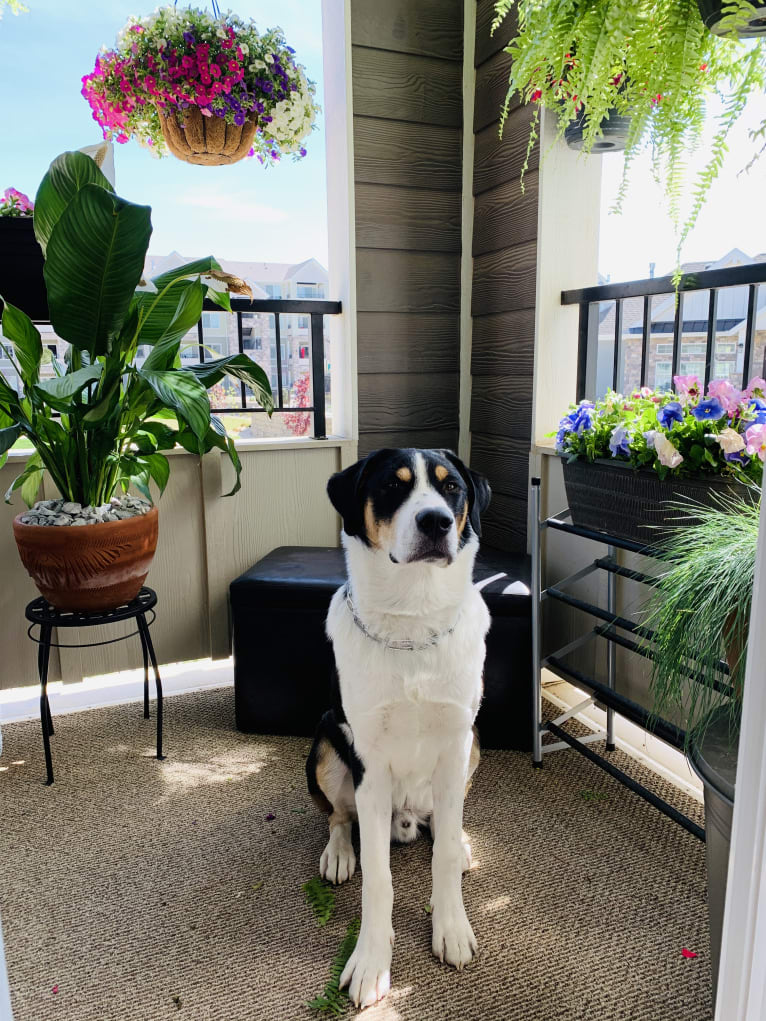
(207, 141)
(89, 567)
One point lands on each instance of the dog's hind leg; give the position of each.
(332, 788)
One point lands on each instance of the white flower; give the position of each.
(731, 441)
(667, 453)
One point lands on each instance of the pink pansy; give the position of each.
(757, 385)
(687, 386)
(728, 394)
(755, 439)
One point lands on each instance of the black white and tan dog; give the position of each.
(398, 748)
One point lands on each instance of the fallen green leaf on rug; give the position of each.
(333, 999)
(320, 897)
(593, 796)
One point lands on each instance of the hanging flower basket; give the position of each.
(205, 87)
(613, 137)
(718, 19)
(206, 141)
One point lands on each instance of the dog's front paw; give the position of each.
(453, 939)
(368, 972)
(338, 862)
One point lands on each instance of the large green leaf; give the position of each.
(180, 390)
(95, 257)
(28, 481)
(218, 437)
(188, 297)
(59, 391)
(8, 437)
(19, 329)
(66, 175)
(159, 469)
(191, 269)
(241, 367)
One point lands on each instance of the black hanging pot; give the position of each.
(712, 12)
(21, 267)
(615, 128)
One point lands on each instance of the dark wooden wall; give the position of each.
(407, 96)
(503, 300)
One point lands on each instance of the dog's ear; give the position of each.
(345, 490)
(479, 493)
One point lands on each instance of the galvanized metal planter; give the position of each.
(612, 497)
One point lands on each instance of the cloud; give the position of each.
(238, 206)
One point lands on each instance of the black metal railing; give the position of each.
(315, 310)
(590, 300)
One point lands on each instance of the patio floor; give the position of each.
(135, 890)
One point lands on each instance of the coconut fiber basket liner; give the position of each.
(207, 141)
(614, 498)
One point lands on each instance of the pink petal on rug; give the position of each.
(688, 953)
(55, 988)
(270, 817)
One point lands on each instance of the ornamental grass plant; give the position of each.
(700, 613)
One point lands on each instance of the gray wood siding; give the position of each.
(407, 100)
(503, 297)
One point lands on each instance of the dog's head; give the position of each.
(415, 505)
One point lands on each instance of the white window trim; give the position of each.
(341, 229)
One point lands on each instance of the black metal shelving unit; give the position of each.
(611, 628)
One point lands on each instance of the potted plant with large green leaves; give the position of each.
(100, 423)
(700, 616)
(653, 61)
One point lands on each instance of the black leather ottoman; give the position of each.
(283, 661)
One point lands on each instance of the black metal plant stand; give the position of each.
(610, 629)
(42, 615)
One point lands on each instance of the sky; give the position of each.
(245, 211)
(733, 217)
(279, 214)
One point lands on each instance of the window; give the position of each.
(303, 322)
(303, 351)
(724, 370)
(211, 320)
(692, 349)
(310, 290)
(693, 369)
(273, 290)
(664, 349)
(662, 373)
(726, 347)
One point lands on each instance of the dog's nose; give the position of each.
(434, 522)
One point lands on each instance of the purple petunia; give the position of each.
(619, 441)
(189, 38)
(670, 413)
(709, 410)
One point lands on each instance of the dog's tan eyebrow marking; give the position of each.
(441, 472)
(404, 473)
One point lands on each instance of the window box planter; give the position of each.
(612, 497)
(712, 12)
(21, 267)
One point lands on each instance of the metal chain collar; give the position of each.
(404, 644)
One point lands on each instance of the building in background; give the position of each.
(729, 342)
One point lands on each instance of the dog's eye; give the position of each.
(393, 483)
(450, 486)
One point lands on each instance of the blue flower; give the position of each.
(709, 410)
(670, 413)
(758, 404)
(737, 457)
(619, 442)
(582, 417)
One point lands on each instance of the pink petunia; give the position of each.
(756, 386)
(755, 441)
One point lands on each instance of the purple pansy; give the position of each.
(619, 441)
(709, 410)
(670, 413)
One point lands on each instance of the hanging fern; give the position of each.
(651, 60)
(334, 1000)
(321, 899)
